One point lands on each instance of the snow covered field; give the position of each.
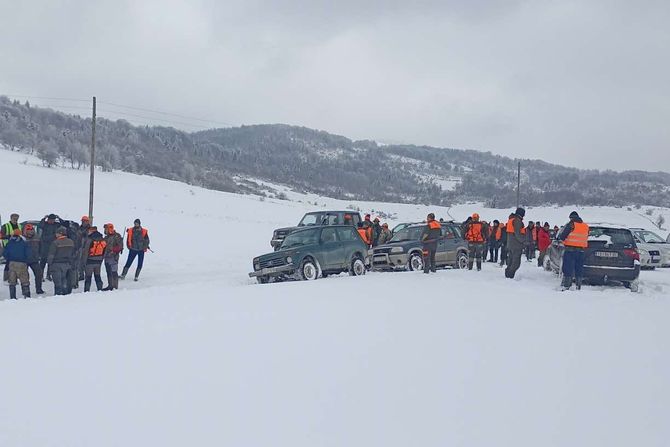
(197, 354)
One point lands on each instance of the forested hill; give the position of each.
(238, 159)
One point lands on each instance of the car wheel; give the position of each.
(308, 270)
(357, 267)
(415, 262)
(462, 260)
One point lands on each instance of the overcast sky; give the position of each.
(582, 83)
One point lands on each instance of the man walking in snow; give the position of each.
(137, 243)
(17, 253)
(79, 239)
(93, 253)
(475, 234)
(59, 259)
(48, 228)
(575, 237)
(516, 241)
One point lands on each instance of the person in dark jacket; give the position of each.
(376, 231)
(516, 242)
(48, 227)
(113, 249)
(495, 235)
(137, 243)
(59, 260)
(93, 253)
(575, 237)
(503, 242)
(385, 234)
(17, 254)
(6, 232)
(429, 238)
(78, 239)
(35, 244)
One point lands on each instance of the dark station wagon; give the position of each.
(311, 252)
(611, 256)
(405, 251)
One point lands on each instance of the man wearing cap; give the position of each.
(516, 241)
(59, 259)
(475, 234)
(35, 244)
(113, 250)
(48, 227)
(6, 233)
(575, 237)
(376, 231)
(137, 243)
(16, 254)
(430, 237)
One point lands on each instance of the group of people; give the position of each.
(373, 232)
(68, 253)
(510, 241)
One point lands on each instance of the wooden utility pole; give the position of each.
(518, 184)
(90, 191)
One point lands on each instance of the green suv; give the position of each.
(309, 253)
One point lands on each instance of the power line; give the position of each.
(102, 114)
(166, 113)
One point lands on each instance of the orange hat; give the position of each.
(85, 219)
(29, 227)
(475, 216)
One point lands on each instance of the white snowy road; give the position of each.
(197, 354)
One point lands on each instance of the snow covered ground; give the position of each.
(197, 354)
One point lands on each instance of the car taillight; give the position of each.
(632, 253)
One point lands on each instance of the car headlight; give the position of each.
(257, 264)
(289, 260)
(397, 250)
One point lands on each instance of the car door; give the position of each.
(330, 248)
(350, 242)
(450, 243)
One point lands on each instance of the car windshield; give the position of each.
(649, 237)
(311, 219)
(407, 234)
(599, 236)
(300, 238)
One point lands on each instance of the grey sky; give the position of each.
(582, 83)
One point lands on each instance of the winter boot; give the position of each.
(578, 281)
(40, 292)
(25, 290)
(87, 284)
(566, 284)
(124, 273)
(116, 280)
(471, 262)
(12, 292)
(137, 274)
(479, 264)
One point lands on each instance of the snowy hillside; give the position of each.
(198, 354)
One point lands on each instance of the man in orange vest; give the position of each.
(92, 254)
(475, 234)
(516, 242)
(575, 237)
(137, 243)
(430, 237)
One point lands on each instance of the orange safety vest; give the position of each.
(434, 225)
(510, 227)
(129, 241)
(474, 233)
(97, 248)
(579, 236)
(499, 233)
(363, 232)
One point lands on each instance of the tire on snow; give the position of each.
(309, 271)
(415, 262)
(462, 260)
(357, 267)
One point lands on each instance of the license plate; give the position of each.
(607, 254)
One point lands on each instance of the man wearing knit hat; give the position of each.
(575, 237)
(516, 241)
(34, 242)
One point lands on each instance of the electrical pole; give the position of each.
(518, 184)
(90, 192)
